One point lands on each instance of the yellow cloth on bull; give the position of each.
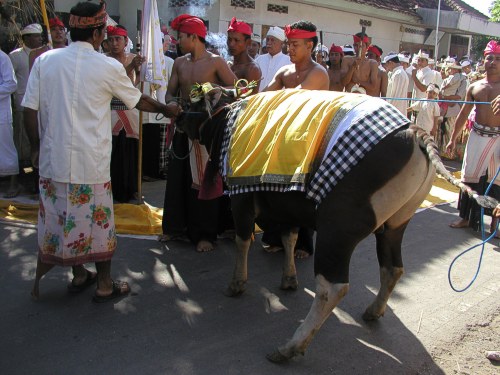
(277, 136)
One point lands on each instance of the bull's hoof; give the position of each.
(235, 289)
(369, 316)
(289, 283)
(277, 357)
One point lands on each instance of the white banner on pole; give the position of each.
(154, 70)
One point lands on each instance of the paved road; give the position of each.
(177, 321)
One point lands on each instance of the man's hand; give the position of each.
(450, 147)
(172, 109)
(137, 61)
(495, 106)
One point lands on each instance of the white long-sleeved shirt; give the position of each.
(269, 65)
(398, 88)
(8, 86)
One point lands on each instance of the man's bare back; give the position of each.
(483, 91)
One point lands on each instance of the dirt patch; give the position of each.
(465, 352)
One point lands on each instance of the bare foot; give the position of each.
(203, 246)
(301, 254)
(461, 223)
(118, 289)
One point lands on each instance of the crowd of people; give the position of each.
(76, 123)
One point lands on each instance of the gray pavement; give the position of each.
(177, 321)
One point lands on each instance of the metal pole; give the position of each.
(436, 46)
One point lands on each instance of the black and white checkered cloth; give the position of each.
(349, 149)
(118, 105)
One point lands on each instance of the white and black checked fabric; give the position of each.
(350, 148)
(118, 105)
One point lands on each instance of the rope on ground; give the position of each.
(482, 243)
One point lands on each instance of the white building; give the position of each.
(393, 25)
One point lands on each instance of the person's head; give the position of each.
(117, 39)
(336, 54)
(466, 66)
(238, 37)
(167, 41)
(404, 60)
(57, 31)
(374, 53)
(348, 50)
(432, 91)
(254, 47)
(422, 59)
(86, 23)
(274, 40)
(492, 58)
(452, 67)
(32, 36)
(302, 40)
(191, 32)
(361, 43)
(391, 61)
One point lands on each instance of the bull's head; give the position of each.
(206, 100)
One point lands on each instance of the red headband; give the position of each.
(239, 27)
(116, 31)
(492, 48)
(188, 24)
(357, 39)
(298, 33)
(53, 22)
(99, 19)
(375, 50)
(335, 48)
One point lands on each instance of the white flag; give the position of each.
(154, 70)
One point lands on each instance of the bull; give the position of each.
(378, 194)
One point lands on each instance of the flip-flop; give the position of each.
(117, 292)
(91, 279)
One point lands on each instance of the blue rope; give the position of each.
(473, 247)
(436, 100)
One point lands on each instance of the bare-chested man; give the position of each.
(303, 73)
(57, 35)
(482, 152)
(185, 214)
(375, 52)
(334, 75)
(238, 40)
(124, 121)
(358, 71)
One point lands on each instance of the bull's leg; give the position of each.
(289, 277)
(243, 209)
(391, 268)
(328, 295)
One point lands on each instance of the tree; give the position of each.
(479, 42)
(495, 11)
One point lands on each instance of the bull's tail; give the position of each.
(431, 149)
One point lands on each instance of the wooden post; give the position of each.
(139, 149)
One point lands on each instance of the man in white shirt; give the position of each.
(8, 155)
(422, 77)
(398, 82)
(32, 38)
(71, 90)
(274, 59)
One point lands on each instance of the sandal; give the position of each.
(117, 292)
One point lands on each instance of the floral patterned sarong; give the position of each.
(75, 223)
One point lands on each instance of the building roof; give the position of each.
(410, 6)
